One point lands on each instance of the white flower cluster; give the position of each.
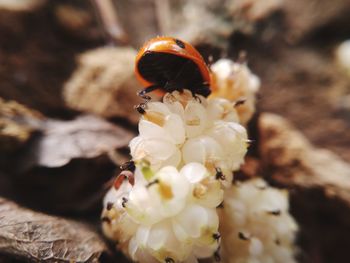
(256, 225)
(187, 150)
(167, 216)
(185, 154)
(185, 129)
(235, 82)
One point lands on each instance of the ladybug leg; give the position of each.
(196, 97)
(170, 86)
(142, 106)
(149, 89)
(203, 89)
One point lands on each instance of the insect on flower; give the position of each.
(129, 166)
(167, 64)
(123, 176)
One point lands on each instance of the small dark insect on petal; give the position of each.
(239, 102)
(275, 212)
(129, 166)
(219, 174)
(152, 183)
(109, 206)
(277, 242)
(196, 97)
(169, 260)
(140, 109)
(179, 43)
(242, 236)
(124, 201)
(216, 236)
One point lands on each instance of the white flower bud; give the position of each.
(256, 225)
(235, 82)
(185, 129)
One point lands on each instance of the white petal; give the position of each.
(171, 191)
(174, 125)
(141, 207)
(209, 228)
(158, 107)
(205, 251)
(158, 236)
(202, 149)
(173, 160)
(221, 109)
(190, 222)
(174, 105)
(156, 151)
(142, 235)
(195, 119)
(233, 139)
(194, 172)
(213, 195)
(133, 246)
(150, 130)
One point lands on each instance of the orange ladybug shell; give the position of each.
(172, 46)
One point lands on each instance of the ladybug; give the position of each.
(166, 64)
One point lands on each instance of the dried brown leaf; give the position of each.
(293, 161)
(104, 83)
(17, 124)
(85, 137)
(38, 237)
(66, 169)
(323, 13)
(319, 184)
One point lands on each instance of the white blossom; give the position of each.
(187, 149)
(235, 82)
(255, 224)
(169, 215)
(186, 129)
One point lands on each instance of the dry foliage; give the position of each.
(38, 237)
(319, 184)
(104, 83)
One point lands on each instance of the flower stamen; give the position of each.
(155, 117)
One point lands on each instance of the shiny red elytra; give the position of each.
(167, 64)
(122, 177)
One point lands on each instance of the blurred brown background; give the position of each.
(64, 59)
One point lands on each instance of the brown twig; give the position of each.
(107, 16)
(163, 13)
